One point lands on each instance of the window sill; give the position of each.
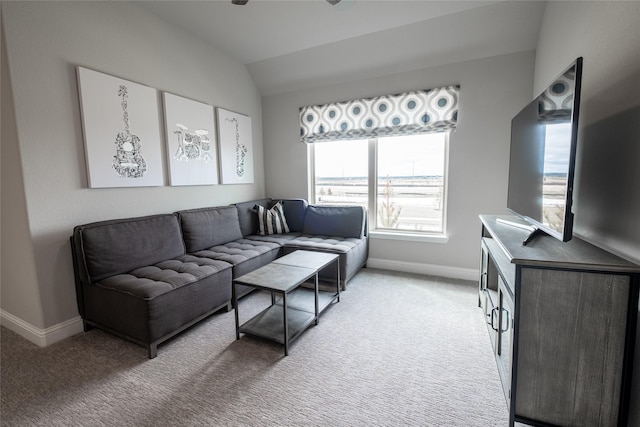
(410, 237)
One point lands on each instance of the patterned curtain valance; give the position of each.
(423, 111)
(556, 103)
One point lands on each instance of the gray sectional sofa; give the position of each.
(148, 278)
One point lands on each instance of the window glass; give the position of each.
(411, 183)
(408, 192)
(341, 173)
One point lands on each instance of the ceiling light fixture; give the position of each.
(243, 2)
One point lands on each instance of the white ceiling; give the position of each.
(294, 44)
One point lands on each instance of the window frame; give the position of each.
(372, 195)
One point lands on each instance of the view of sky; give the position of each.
(418, 155)
(557, 146)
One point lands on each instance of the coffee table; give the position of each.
(286, 318)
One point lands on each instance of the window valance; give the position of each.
(423, 111)
(555, 104)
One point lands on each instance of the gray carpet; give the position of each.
(398, 350)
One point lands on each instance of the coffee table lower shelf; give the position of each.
(268, 324)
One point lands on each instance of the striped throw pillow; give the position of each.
(271, 221)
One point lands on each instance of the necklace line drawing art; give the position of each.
(241, 150)
(128, 161)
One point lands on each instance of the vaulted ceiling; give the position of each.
(296, 44)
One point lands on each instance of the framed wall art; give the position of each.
(121, 131)
(236, 147)
(191, 141)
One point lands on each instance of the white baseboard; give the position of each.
(41, 337)
(428, 269)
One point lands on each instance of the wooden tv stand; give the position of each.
(562, 320)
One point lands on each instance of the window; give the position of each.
(401, 180)
(387, 153)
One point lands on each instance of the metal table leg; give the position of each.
(338, 277)
(235, 308)
(286, 324)
(316, 296)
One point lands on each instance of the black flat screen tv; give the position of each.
(542, 158)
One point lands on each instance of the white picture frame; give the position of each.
(191, 141)
(121, 130)
(235, 143)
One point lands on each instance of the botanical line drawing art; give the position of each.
(192, 146)
(241, 150)
(128, 161)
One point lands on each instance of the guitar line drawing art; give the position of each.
(128, 161)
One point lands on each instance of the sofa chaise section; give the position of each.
(336, 229)
(135, 279)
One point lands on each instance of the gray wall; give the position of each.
(607, 193)
(492, 89)
(44, 182)
(607, 36)
(16, 247)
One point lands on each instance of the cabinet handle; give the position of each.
(506, 328)
(493, 312)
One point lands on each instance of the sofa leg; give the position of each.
(153, 350)
(87, 327)
(229, 306)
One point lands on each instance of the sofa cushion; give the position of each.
(118, 246)
(294, 211)
(280, 239)
(147, 314)
(337, 221)
(244, 254)
(272, 220)
(206, 227)
(151, 281)
(323, 243)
